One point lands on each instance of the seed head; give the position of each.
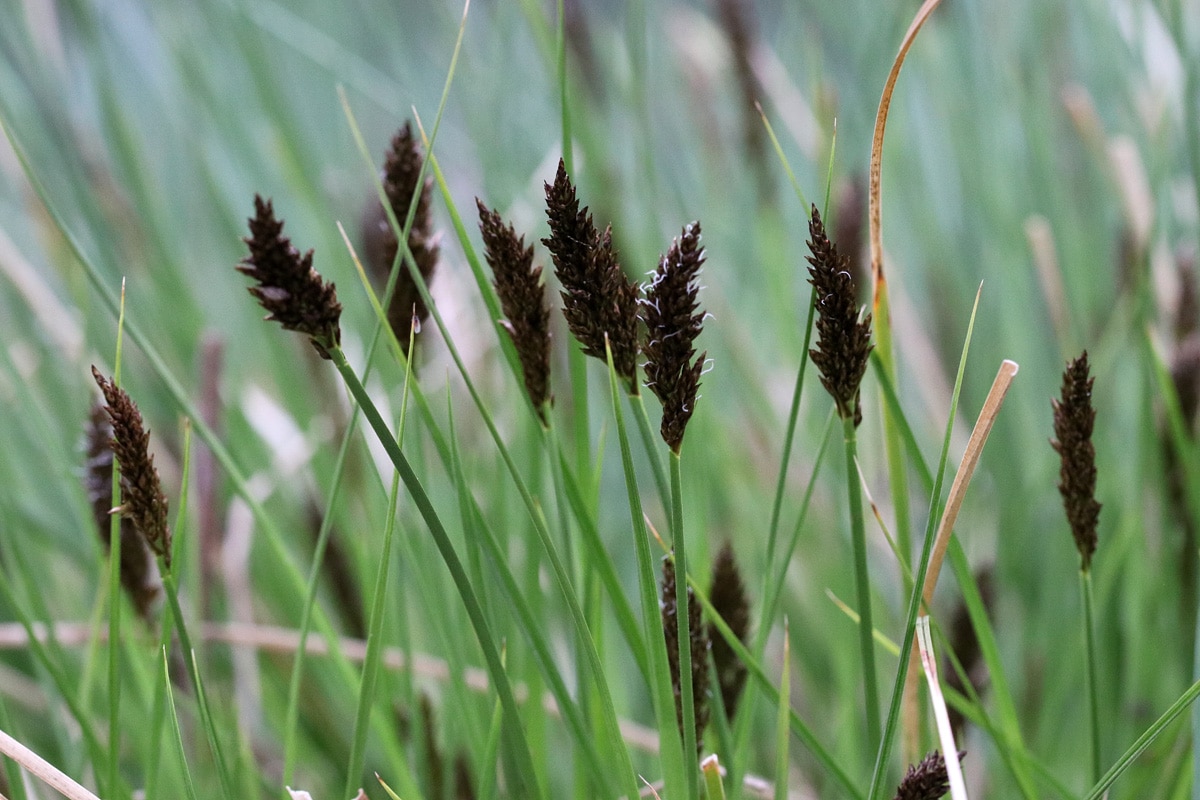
(843, 343)
(142, 498)
(139, 574)
(1074, 418)
(522, 298)
(673, 321)
(598, 299)
(729, 598)
(699, 651)
(926, 780)
(289, 288)
(401, 169)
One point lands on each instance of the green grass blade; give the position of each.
(782, 717)
(914, 604)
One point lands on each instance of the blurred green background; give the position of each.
(1046, 150)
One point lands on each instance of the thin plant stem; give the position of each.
(483, 633)
(112, 775)
(370, 672)
(1089, 634)
(686, 700)
(658, 675)
(189, 655)
(790, 435)
(638, 403)
(781, 720)
(177, 739)
(862, 581)
(914, 604)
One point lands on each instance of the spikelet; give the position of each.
(598, 299)
(288, 286)
(401, 168)
(729, 598)
(522, 299)
(843, 342)
(699, 651)
(1074, 418)
(142, 500)
(673, 321)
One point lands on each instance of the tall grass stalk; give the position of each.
(673, 754)
(862, 582)
(914, 604)
(687, 699)
(112, 776)
(1093, 694)
(370, 668)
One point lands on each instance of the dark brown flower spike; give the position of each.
(288, 287)
(699, 652)
(522, 298)
(139, 574)
(673, 321)
(598, 298)
(843, 342)
(142, 500)
(1074, 418)
(926, 780)
(401, 169)
(729, 598)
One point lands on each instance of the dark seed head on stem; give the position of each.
(288, 287)
(730, 599)
(401, 169)
(599, 301)
(142, 498)
(522, 298)
(673, 320)
(699, 647)
(843, 342)
(1074, 419)
(925, 780)
(139, 575)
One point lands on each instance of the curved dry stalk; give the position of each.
(958, 490)
(874, 218)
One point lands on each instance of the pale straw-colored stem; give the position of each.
(43, 770)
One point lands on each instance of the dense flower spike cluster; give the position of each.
(401, 168)
(522, 298)
(598, 299)
(1074, 418)
(926, 780)
(699, 644)
(729, 598)
(288, 286)
(843, 343)
(142, 498)
(673, 321)
(139, 575)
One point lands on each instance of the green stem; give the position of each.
(657, 673)
(862, 582)
(638, 403)
(686, 699)
(789, 436)
(370, 670)
(189, 656)
(114, 638)
(1089, 633)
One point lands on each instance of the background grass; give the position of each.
(153, 125)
